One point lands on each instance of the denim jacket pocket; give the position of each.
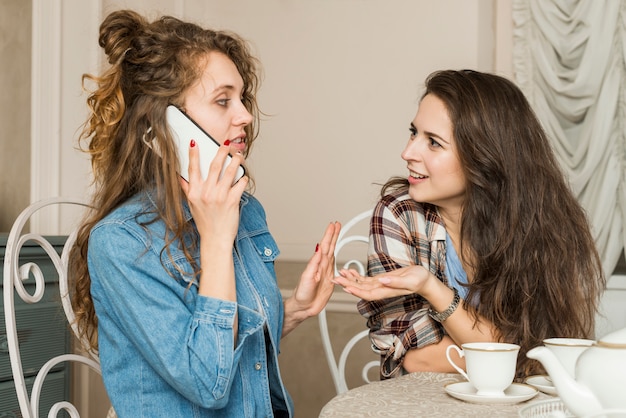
(265, 246)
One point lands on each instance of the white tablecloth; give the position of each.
(414, 395)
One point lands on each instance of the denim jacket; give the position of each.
(166, 351)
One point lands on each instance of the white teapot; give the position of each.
(600, 383)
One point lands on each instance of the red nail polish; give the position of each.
(227, 142)
(317, 247)
(192, 143)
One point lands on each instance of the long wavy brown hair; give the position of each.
(151, 64)
(537, 272)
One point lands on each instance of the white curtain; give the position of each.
(570, 61)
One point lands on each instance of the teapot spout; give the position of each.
(578, 398)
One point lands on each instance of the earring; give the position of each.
(145, 141)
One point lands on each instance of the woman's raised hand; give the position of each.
(316, 282)
(403, 281)
(316, 286)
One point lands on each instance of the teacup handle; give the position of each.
(461, 354)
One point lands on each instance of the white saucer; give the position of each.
(542, 383)
(515, 393)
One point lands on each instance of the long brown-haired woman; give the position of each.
(482, 241)
(174, 280)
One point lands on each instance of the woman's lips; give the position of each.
(238, 144)
(416, 178)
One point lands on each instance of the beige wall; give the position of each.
(15, 25)
(342, 80)
(341, 84)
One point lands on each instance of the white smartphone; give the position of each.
(184, 129)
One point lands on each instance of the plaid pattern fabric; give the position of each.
(403, 232)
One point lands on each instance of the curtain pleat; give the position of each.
(569, 58)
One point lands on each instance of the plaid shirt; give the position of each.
(403, 232)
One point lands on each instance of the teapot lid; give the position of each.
(616, 339)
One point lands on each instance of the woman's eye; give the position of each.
(413, 131)
(222, 102)
(434, 143)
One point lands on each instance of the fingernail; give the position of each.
(227, 142)
(192, 143)
(384, 280)
(317, 247)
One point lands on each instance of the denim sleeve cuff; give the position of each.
(222, 313)
(217, 311)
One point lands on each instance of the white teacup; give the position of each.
(567, 350)
(490, 366)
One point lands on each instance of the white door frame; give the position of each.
(64, 36)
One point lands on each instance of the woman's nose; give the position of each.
(411, 151)
(243, 117)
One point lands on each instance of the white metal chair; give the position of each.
(15, 277)
(347, 236)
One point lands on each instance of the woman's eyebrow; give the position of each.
(431, 134)
(224, 87)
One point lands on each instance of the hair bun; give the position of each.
(117, 32)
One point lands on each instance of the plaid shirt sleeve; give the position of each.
(399, 237)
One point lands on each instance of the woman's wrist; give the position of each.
(435, 291)
(441, 316)
(294, 315)
(442, 299)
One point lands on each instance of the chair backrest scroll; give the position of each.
(16, 274)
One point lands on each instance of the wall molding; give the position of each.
(612, 315)
(45, 121)
(64, 46)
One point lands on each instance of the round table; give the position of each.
(414, 395)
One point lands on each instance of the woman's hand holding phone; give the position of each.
(214, 202)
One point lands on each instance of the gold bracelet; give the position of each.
(442, 316)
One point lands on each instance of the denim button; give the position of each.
(257, 366)
(267, 252)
